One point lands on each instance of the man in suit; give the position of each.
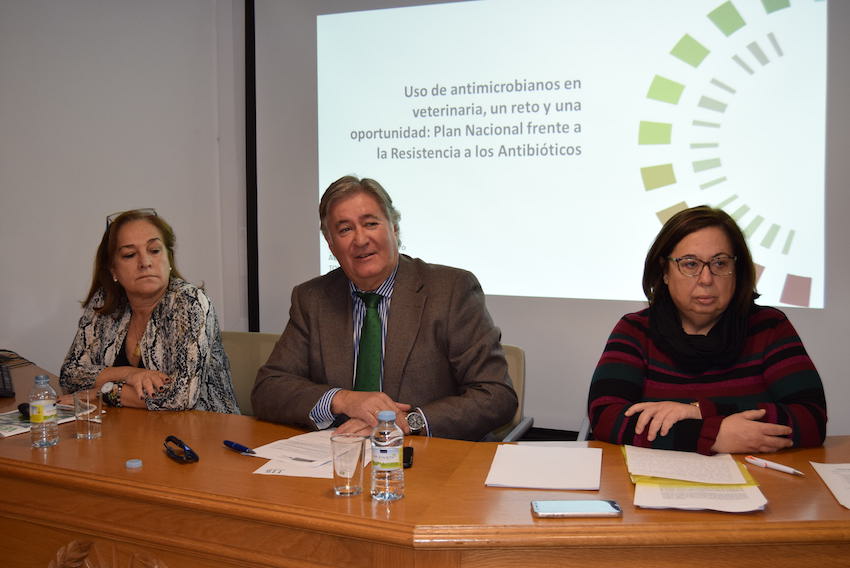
(438, 361)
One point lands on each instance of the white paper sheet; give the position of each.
(739, 499)
(312, 448)
(305, 455)
(837, 478)
(294, 468)
(545, 467)
(719, 469)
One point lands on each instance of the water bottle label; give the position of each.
(42, 411)
(386, 458)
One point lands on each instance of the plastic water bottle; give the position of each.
(44, 427)
(387, 472)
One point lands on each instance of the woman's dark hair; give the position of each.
(113, 292)
(680, 226)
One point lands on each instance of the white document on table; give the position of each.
(837, 478)
(727, 499)
(545, 467)
(719, 469)
(305, 455)
(311, 448)
(293, 468)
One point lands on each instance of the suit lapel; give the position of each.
(336, 331)
(408, 303)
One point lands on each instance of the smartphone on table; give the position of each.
(576, 508)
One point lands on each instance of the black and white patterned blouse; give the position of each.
(182, 340)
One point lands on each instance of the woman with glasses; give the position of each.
(147, 338)
(704, 368)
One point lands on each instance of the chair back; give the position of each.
(247, 351)
(584, 433)
(520, 423)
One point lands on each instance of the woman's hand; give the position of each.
(741, 432)
(65, 399)
(659, 417)
(144, 383)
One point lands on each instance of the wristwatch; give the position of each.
(415, 421)
(111, 392)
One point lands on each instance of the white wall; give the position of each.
(106, 106)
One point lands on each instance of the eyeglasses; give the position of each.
(179, 451)
(149, 212)
(720, 265)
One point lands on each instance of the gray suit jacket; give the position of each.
(442, 354)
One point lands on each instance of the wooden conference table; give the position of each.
(217, 513)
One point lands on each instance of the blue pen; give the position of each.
(238, 447)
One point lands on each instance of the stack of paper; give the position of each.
(666, 479)
(13, 422)
(305, 455)
(545, 467)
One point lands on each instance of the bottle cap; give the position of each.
(386, 416)
(134, 463)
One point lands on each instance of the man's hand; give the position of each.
(365, 406)
(659, 417)
(741, 432)
(357, 426)
(354, 426)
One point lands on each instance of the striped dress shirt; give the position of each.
(321, 414)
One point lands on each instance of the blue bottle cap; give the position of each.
(134, 463)
(386, 416)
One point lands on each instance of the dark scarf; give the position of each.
(695, 353)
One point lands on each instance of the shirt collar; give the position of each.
(385, 289)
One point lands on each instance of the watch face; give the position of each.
(415, 421)
(107, 387)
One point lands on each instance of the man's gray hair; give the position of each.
(347, 186)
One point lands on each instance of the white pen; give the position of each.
(772, 465)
